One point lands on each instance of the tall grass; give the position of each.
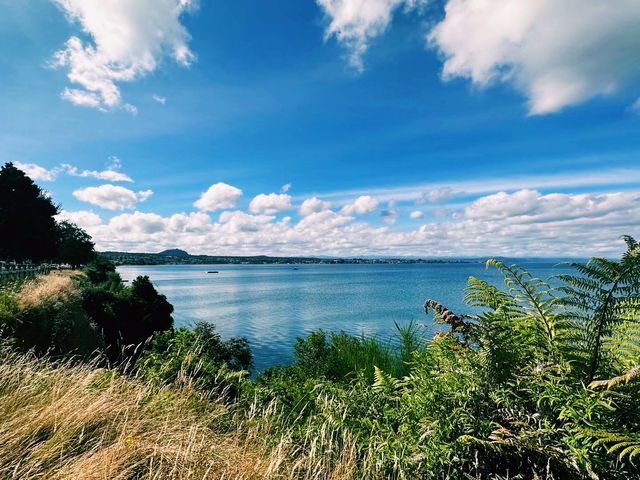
(76, 421)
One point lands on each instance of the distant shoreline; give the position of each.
(183, 258)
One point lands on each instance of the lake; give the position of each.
(271, 305)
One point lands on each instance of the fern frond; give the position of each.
(632, 375)
(535, 300)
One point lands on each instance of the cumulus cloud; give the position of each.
(416, 214)
(526, 206)
(110, 174)
(38, 173)
(271, 203)
(127, 41)
(138, 222)
(195, 222)
(219, 196)
(556, 53)
(239, 221)
(111, 197)
(143, 195)
(83, 218)
(313, 205)
(364, 205)
(354, 23)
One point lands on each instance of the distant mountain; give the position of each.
(174, 252)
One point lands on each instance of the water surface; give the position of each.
(271, 305)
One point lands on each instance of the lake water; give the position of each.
(271, 305)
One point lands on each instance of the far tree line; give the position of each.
(28, 228)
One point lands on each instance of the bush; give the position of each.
(199, 357)
(127, 317)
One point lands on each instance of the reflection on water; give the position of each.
(271, 305)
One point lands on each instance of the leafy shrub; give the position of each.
(198, 357)
(127, 317)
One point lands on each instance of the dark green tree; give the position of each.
(27, 227)
(127, 316)
(75, 245)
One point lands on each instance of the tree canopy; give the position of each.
(27, 225)
(75, 245)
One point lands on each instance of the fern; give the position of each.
(604, 296)
(626, 445)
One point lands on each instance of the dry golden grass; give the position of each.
(64, 421)
(57, 287)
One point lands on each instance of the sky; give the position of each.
(444, 128)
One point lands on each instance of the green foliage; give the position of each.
(75, 246)
(127, 316)
(199, 357)
(27, 225)
(602, 302)
(338, 356)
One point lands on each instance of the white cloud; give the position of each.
(159, 99)
(243, 222)
(285, 188)
(557, 53)
(526, 206)
(443, 212)
(38, 173)
(271, 203)
(354, 23)
(111, 197)
(110, 174)
(128, 40)
(82, 218)
(416, 214)
(319, 223)
(138, 222)
(82, 98)
(609, 177)
(194, 222)
(313, 205)
(218, 196)
(364, 205)
(438, 195)
(143, 195)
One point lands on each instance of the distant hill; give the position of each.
(174, 252)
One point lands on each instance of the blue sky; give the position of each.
(458, 127)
